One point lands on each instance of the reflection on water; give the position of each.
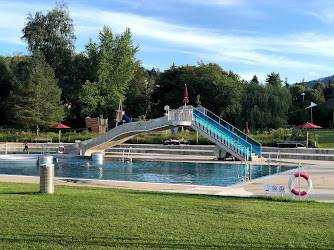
(214, 174)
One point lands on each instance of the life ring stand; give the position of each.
(61, 149)
(306, 177)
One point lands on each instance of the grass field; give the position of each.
(326, 138)
(97, 218)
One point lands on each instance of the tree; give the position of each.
(255, 79)
(35, 99)
(52, 33)
(274, 80)
(220, 91)
(112, 67)
(137, 97)
(286, 84)
(329, 90)
(265, 106)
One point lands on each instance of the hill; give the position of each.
(323, 79)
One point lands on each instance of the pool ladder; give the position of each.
(45, 150)
(245, 170)
(130, 152)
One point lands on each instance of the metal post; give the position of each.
(306, 139)
(311, 116)
(299, 180)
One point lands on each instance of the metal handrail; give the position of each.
(249, 144)
(222, 122)
(233, 128)
(238, 144)
(6, 148)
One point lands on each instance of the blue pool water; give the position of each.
(212, 174)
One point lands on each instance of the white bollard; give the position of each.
(45, 159)
(98, 157)
(46, 178)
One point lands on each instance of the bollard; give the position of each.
(46, 178)
(45, 159)
(98, 157)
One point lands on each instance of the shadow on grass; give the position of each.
(70, 241)
(208, 196)
(24, 193)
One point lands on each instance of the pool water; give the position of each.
(212, 174)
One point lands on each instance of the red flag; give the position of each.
(246, 130)
(185, 98)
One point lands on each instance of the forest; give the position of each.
(55, 84)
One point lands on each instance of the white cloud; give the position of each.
(296, 51)
(246, 49)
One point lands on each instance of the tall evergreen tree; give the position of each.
(255, 80)
(274, 80)
(35, 99)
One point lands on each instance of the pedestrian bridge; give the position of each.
(227, 138)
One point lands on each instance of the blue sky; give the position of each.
(292, 38)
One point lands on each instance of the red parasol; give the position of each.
(60, 126)
(246, 129)
(308, 125)
(185, 98)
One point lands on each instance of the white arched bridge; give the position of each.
(227, 138)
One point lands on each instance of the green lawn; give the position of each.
(326, 137)
(109, 218)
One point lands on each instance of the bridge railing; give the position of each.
(256, 146)
(220, 134)
(181, 114)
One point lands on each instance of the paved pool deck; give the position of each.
(321, 173)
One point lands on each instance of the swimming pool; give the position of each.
(211, 174)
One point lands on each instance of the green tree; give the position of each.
(286, 83)
(265, 106)
(255, 79)
(35, 99)
(8, 67)
(52, 33)
(220, 91)
(137, 97)
(329, 90)
(274, 80)
(112, 67)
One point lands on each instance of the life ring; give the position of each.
(306, 177)
(61, 149)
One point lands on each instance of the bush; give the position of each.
(271, 138)
(301, 135)
(16, 135)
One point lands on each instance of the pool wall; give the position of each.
(18, 147)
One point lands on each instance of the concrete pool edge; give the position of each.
(321, 177)
(322, 174)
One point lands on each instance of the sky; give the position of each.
(248, 37)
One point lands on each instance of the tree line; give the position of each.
(54, 84)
